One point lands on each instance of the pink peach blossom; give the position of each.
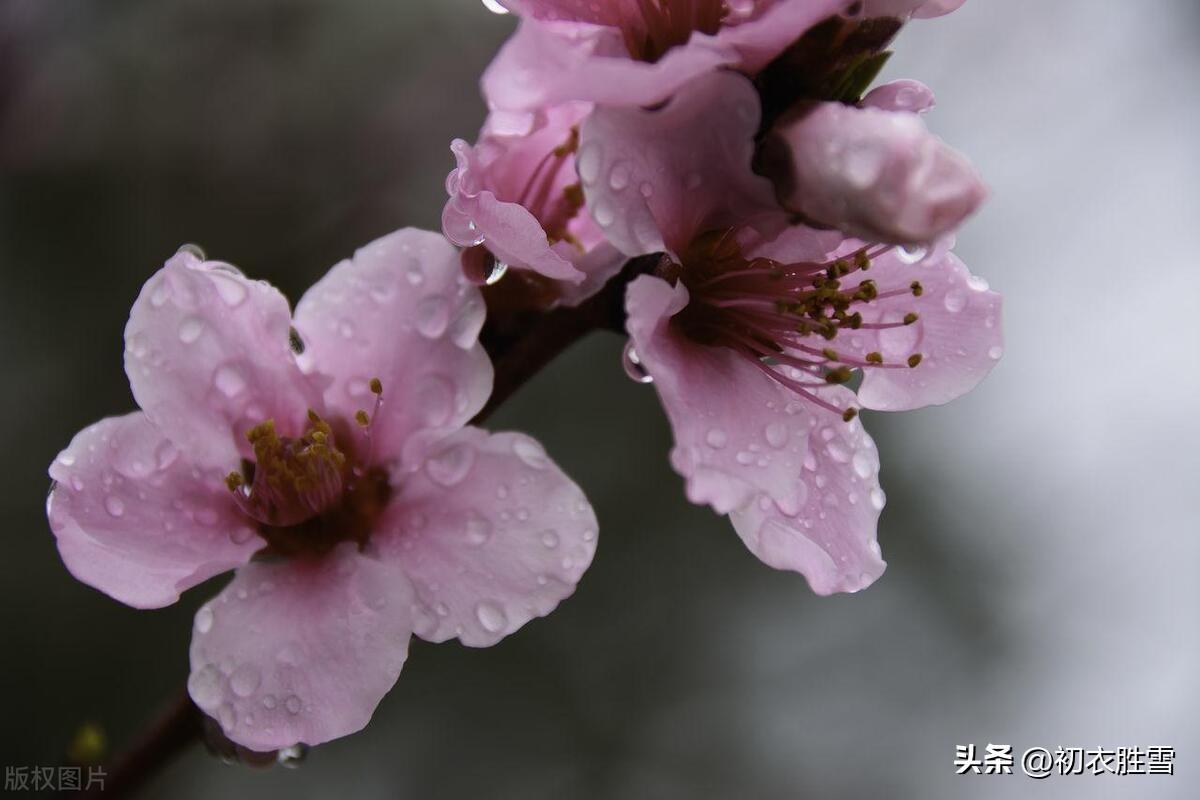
(340, 483)
(515, 203)
(638, 52)
(751, 335)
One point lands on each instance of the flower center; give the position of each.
(786, 318)
(307, 494)
(652, 27)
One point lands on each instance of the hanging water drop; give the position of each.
(633, 365)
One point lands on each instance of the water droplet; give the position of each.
(603, 214)
(479, 530)
(955, 300)
(245, 680)
(414, 274)
(229, 380)
(165, 455)
(293, 704)
(550, 539)
(531, 453)
(864, 465)
(432, 316)
(633, 365)
(204, 686)
(995, 352)
(114, 505)
(776, 434)
(499, 269)
(618, 176)
(231, 289)
(838, 451)
(204, 619)
(292, 757)
(193, 249)
(877, 499)
(66, 458)
(978, 283)
(190, 330)
(588, 162)
(269, 702)
(450, 466)
(716, 438)
(346, 329)
(491, 616)
(911, 253)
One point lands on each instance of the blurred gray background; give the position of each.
(1042, 533)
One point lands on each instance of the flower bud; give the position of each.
(874, 174)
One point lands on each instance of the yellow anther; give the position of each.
(875, 357)
(849, 414)
(917, 288)
(830, 353)
(234, 481)
(839, 375)
(915, 359)
(910, 318)
(376, 386)
(361, 418)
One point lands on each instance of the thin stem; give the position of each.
(520, 345)
(172, 733)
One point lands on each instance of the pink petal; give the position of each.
(300, 651)
(875, 174)
(831, 540)
(772, 28)
(959, 333)
(135, 519)
(402, 312)
(492, 180)
(738, 433)
(545, 63)
(902, 95)
(936, 8)
(905, 8)
(207, 355)
(655, 178)
(491, 533)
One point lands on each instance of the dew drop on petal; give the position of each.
(911, 253)
(633, 365)
(491, 616)
(450, 466)
(776, 434)
(995, 352)
(716, 438)
(293, 704)
(432, 316)
(229, 380)
(190, 329)
(204, 685)
(955, 301)
(204, 619)
(550, 539)
(245, 680)
(114, 505)
(531, 453)
(479, 530)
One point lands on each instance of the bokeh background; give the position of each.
(1042, 533)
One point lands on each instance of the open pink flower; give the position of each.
(638, 52)
(515, 203)
(346, 472)
(751, 339)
